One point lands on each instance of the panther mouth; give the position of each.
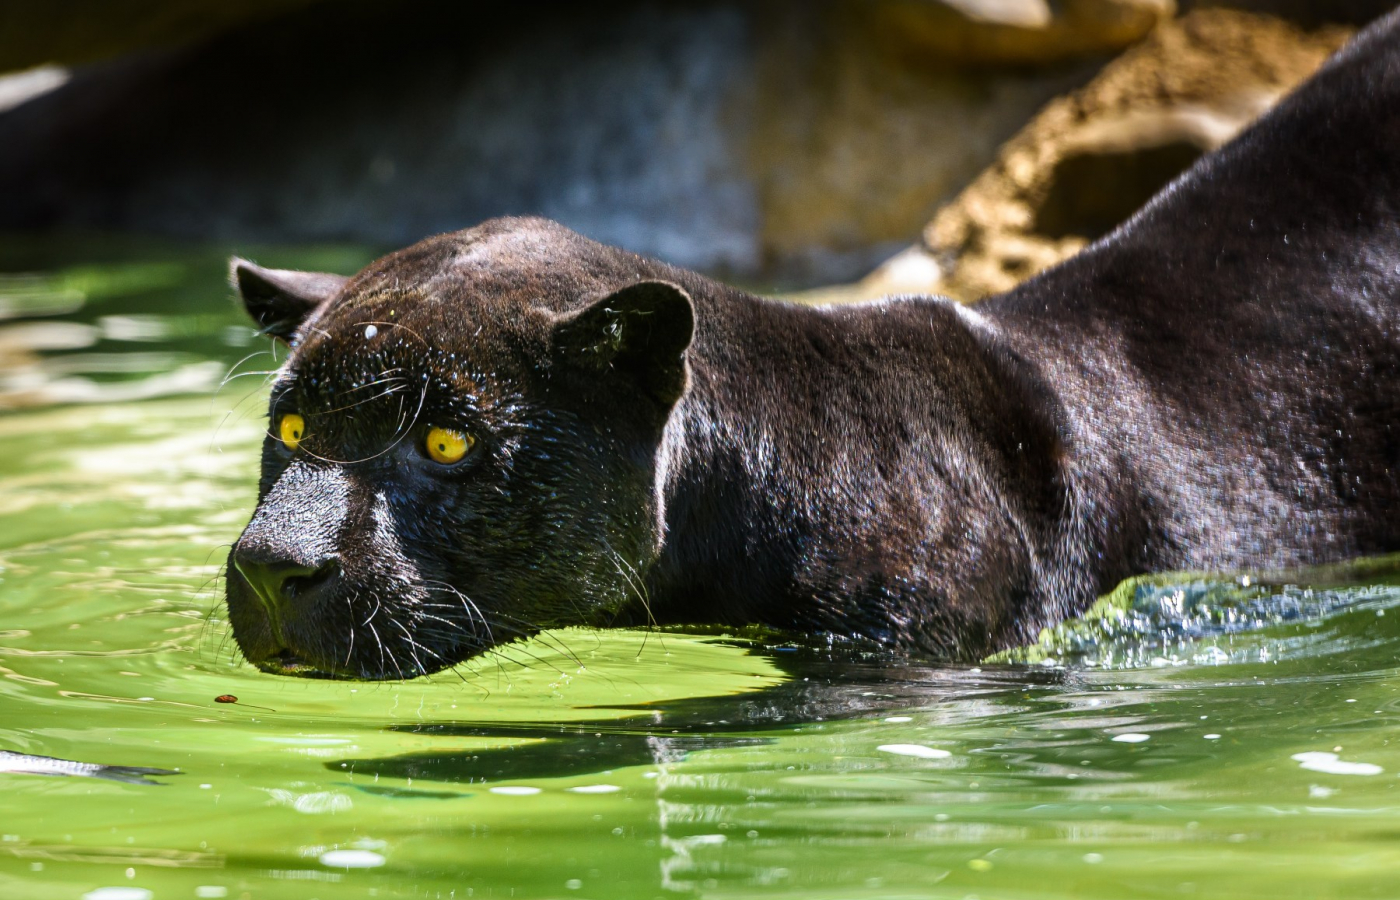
(289, 645)
(288, 662)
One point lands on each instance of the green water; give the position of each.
(1149, 753)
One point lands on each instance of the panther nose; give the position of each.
(281, 581)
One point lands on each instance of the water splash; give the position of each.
(1193, 619)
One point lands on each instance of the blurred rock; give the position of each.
(1091, 159)
(1016, 32)
(785, 140)
(73, 32)
(70, 32)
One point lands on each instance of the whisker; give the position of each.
(635, 582)
(388, 393)
(350, 604)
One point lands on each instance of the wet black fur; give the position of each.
(1214, 385)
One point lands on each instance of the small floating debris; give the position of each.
(515, 790)
(917, 750)
(1131, 737)
(595, 789)
(1331, 764)
(897, 719)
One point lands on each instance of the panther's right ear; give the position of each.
(279, 300)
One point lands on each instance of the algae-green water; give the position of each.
(1197, 737)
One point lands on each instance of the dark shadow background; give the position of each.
(788, 143)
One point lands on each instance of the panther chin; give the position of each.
(326, 636)
(287, 662)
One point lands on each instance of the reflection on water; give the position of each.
(1196, 737)
(123, 330)
(67, 308)
(24, 764)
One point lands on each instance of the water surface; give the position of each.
(1202, 738)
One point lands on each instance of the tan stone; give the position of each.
(871, 115)
(1088, 160)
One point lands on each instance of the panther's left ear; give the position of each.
(639, 333)
(279, 300)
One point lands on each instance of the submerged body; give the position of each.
(512, 428)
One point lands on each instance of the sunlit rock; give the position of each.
(1092, 158)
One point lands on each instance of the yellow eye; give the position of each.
(447, 445)
(291, 428)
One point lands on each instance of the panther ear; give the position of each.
(279, 300)
(639, 333)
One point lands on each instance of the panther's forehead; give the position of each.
(447, 333)
(450, 313)
(498, 271)
(373, 370)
